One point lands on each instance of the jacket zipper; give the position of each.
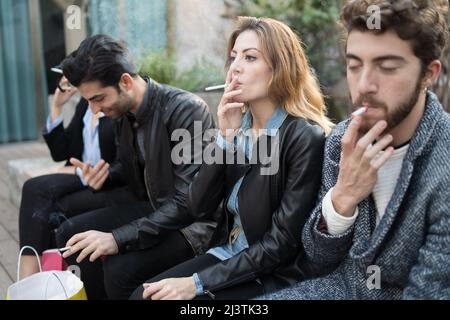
(210, 294)
(228, 284)
(147, 188)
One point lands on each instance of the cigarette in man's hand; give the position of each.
(360, 111)
(214, 88)
(64, 249)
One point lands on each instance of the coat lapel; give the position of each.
(367, 247)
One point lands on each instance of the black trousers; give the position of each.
(243, 291)
(62, 193)
(116, 277)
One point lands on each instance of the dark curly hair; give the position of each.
(421, 22)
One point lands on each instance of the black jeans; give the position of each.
(241, 291)
(118, 276)
(62, 193)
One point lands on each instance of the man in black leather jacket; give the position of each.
(158, 231)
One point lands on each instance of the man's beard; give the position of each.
(122, 106)
(393, 117)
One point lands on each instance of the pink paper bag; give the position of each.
(53, 260)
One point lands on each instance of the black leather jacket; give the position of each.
(272, 208)
(165, 184)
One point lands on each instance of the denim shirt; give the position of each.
(91, 142)
(243, 141)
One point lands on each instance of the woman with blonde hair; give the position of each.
(272, 106)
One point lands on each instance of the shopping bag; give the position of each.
(46, 285)
(52, 260)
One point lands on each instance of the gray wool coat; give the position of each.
(409, 251)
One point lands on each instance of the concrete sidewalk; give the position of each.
(9, 213)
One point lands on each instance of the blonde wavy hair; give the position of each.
(293, 84)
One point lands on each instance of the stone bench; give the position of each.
(20, 170)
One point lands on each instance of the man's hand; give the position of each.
(170, 289)
(93, 243)
(96, 176)
(359, 165)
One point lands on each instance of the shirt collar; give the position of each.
(89, 115)
(272, 126)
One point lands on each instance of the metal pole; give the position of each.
(37, 58)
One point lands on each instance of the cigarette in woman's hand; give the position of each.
(219, 87)
(360, 111)
(64, 249)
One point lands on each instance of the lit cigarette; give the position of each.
(64, 249)
(360, 111)
(57, 70)
(222, 86)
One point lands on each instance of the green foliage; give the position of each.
(201, 75)
(159, 67)
(162, 68)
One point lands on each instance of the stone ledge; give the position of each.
(20, 170)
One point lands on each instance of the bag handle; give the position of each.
(60, 282)
(20, 259)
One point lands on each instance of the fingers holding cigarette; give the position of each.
(359, 112)
(229, 82)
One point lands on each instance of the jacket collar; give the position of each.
(425, 131)
(147, 105)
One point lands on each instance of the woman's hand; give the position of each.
(229, 112)
(170, 289)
